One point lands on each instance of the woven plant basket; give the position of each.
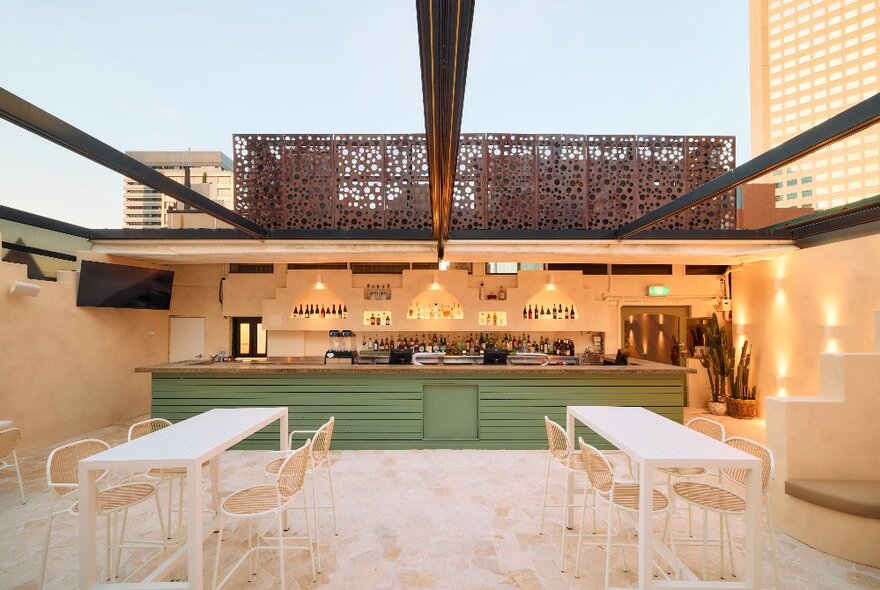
(742, 408)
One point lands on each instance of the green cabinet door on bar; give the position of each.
(451, 411)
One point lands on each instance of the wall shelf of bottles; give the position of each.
(315, 311)
(377, 292)
(492, 318)
(435, 305)
(550, 304)
(377, 318)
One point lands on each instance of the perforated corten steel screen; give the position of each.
(503, 182)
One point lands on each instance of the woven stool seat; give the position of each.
(627, 496)
(121, 496)
(708, 496)
(684, 471)
(252, 500)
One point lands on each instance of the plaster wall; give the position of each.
(834, 285)
(66, 370)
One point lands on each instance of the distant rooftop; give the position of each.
(183, 158)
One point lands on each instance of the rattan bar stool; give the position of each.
(62, 477)
(710, 428)
(171, 475)
(562, 453)
(8, 458)
(715, 498)
(269, 500)
(319, 455)
(621, 497)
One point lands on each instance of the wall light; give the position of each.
(551, 284)
(319, 282)
(435, 286)
(830, 331)
(24, 289)
(739, 329)
(443, 264)
(778, 283)
(780, 380)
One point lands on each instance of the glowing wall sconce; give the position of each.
(778, 284)
(319, 281)
(780, 380)
(830, 331)
(435, 286)
(551, 285)
(739, 329)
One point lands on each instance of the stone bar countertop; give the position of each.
(307, 365)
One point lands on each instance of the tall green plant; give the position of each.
(718, 359)
(741, 380)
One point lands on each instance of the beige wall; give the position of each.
(66, 370)
(835, 284)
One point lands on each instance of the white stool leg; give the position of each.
(721, 523)
(281, 546)
(313, 477)
(18, 473)
(730, 546)
(312, 550)
(577, 560)
(217, 554)
(608, 547)
(118, 540)
(332, 494)
(546, 488)
(564, 523)
(47, 538)
(705, 538)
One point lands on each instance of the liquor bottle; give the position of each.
(554, 313)
(388, 319)
(502, 294)
(376, 345)
(294, 314)
(573, 313)
(494, 319)
(333, 311)
(308, 311)
(482, 291)
(525, 314)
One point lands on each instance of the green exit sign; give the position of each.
(658, 291)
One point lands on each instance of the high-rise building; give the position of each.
(811, 59)
(207, 173)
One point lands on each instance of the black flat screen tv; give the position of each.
(116, 285)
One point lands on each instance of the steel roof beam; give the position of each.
(32, 118)
(444, 28)
(844, 124)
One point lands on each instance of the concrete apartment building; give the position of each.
(811, 59)
(207, 173)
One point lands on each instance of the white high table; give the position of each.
(654, 441)
(189, 444)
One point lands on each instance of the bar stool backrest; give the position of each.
(707, 427)
(557, 439)
(146, 427)
(8, 441)
(598, 468)
(758, 450)
(321, 442)
(62, 467)
(292, 472)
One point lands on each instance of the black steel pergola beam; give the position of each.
(840, 126)
(18, 111)
(444, 29)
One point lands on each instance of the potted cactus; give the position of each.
(743, 401)
(717, 359)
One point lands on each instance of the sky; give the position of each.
(170, 75)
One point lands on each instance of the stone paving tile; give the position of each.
(407, 520)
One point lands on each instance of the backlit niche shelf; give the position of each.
(492, 318)
(434, 304)
(377, 318)
(319, 304)
(550, 305)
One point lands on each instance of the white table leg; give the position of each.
(285, 440)
(87, 514)
(194, 533)
(569, 499)
(753, 527)
(214, 467)
(646, 523)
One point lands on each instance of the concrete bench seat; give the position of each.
(859, 498)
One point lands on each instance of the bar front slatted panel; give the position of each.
(386, 411)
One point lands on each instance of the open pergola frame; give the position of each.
(444, 32)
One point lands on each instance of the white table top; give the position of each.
(189, 442)
(646, 436)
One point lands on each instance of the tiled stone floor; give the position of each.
(407, 519)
